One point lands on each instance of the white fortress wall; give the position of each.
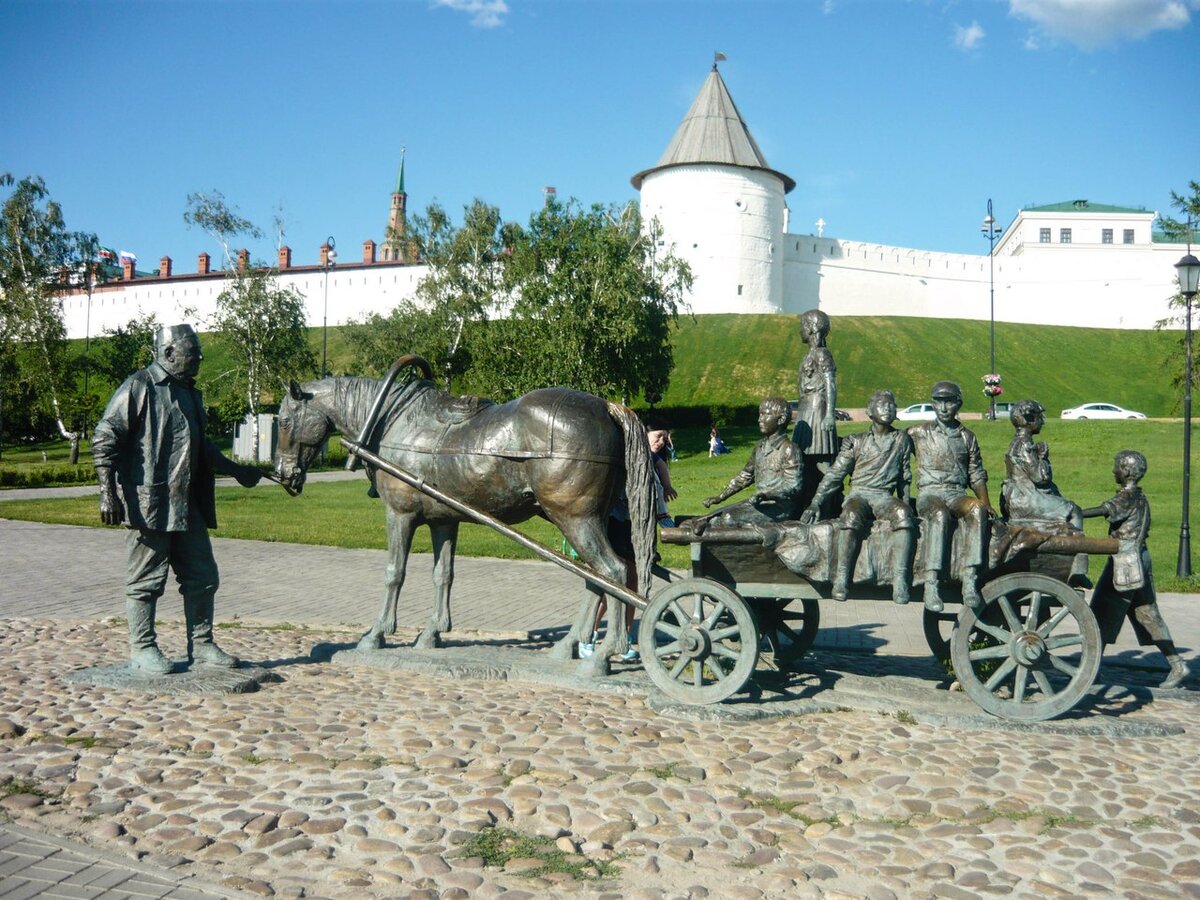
(727, 222)
(354, 291)
(1050, 285)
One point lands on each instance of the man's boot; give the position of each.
(847, 550)
(903, 542)
(144, 655)
(970, 589)
(1179, 671)
(201, 649)
(933, 598)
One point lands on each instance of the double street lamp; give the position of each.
(329, 261)
(991, 231)
(1189, 276)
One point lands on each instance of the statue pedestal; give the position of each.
(183, 680)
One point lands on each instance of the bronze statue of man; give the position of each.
(948, 465)
(155, 466)
(877, 462)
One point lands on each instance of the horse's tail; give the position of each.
(639, 489)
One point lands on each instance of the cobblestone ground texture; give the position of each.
(354, 782)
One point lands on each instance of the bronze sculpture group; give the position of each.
(566, 455)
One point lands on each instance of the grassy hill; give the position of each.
(736, 360)
(739, 359)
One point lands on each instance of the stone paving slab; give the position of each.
(34, 864)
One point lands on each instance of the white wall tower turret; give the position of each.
(721, 206)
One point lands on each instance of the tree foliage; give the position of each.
(579, 298)
(263, 324)
(1181, 231)
(39, 260)
(453, 301)
(592, 301)
(126, 348)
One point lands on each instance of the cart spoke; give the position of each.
(717, 673)
(1010, 614)
(997, 652)
(726, 652)
(667, 649)
(680, 616)
(1043, 682)
(698, 611)
(1064, 640)
(786, 631)
(665, 627)
(1062, 665)
(1035, 607)
(697, 673)
(1000, 674)
(1053, 622)
(723, 633)
(994, 630)
(715, 614)
(1019, 685)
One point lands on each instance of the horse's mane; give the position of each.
(351, 397)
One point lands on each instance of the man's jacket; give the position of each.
(144, 438)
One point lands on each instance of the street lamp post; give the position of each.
(1189, 274)
(328, 262)
(991, 231)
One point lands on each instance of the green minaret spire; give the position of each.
(400, 177)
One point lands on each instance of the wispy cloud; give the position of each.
(829, 7)
(1098, 23)
(483, 13)
(968, 37)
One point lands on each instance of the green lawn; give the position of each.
(739, 359)
(340, 513)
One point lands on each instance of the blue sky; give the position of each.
(898, 120)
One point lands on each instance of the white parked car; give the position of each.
(1101, 411)
(918, 412)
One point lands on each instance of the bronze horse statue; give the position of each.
(555, 452)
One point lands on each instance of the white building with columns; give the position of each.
(723, 208)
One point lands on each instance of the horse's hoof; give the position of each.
(372, 640)
(427, 640)
(596, 666)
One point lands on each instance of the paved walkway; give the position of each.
(65, 573)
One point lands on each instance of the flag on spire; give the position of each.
(718, 57)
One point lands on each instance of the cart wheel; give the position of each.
(788, 627)
(698, 641)
(1029, 667)
(939, 626)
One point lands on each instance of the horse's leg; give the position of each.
(590, 539)
(581, 629)
(400, 528)
(445, 539)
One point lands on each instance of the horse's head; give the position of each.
(303, 430)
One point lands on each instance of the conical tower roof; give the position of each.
(713, 132)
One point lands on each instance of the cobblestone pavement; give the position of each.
(352, 782)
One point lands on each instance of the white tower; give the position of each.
(721, 206)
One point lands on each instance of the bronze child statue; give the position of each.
(1127, 584)
(1029, 492)
(774, 467)
(878, 463)
(948, 465)
(816, 414)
